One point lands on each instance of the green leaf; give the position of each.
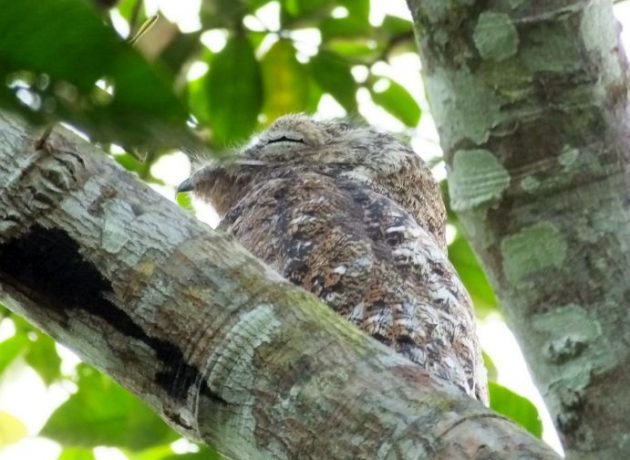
(253, 5)
(181, 49)
(129, 162)
(396, 100)
(300, 13)
(11, 348)
(198, 99)
(21, 325)
(285, 81)
(332, 74)
(350, 26)
(490, 367)
(56, 51)
(103, 413)
(38, 349)
(472, 275)
(185, 201)
(290, 7)
(11, 429)
(126, 8)
(43, 357)
(157, 452)
(358, 8)
(72, 453)
(358, 50)
(515, 407)
(396, 26)
(298, 8)
(315, 94)
(222, 14)
(234, 90)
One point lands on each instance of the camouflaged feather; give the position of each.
(354, 216)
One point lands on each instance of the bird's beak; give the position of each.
(186, 186)
(215, 170)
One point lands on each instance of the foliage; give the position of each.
(52, 67)
(36, 348)
(62, 60)
(515, 407)
(85, 420)
(11, 429)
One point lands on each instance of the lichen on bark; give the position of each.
(549, 105)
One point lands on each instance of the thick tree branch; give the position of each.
(214, 341)
(530, 98)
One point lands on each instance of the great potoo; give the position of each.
(354, 216)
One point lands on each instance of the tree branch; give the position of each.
(213, 340)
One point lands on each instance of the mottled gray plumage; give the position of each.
(354, 216)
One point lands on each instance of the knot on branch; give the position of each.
(40, 180)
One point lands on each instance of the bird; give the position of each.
(353, 215)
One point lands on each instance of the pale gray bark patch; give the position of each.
(495, 36)
(469, 116)
(531, 250)
(476, 179)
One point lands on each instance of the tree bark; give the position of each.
(217, 343)
(530, 99)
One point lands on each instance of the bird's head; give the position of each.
(299, 143)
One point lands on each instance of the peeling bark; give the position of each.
(530, 98)
(214, 341)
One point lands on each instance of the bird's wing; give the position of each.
(370, 261)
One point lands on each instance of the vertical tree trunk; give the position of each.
(530, 98)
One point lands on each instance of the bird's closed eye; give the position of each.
(285, 139)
